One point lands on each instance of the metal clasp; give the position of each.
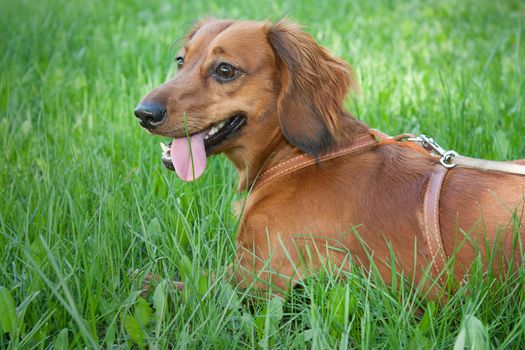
(445, 157)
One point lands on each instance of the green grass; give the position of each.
(85, 201)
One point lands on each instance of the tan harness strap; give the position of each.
(489, 165)
(431, 225)
(360, 143)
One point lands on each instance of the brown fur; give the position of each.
(292, 92)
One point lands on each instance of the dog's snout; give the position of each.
(150, 114)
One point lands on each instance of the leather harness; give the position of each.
(374, 138)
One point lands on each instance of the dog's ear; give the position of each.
(313, 85)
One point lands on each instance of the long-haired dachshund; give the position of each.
(323, 186)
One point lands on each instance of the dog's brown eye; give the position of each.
(180, 61)
(226, 71)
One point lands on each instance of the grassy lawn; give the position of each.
(87, 208)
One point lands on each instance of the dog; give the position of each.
(323, 187)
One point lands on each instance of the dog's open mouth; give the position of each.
(187, 155)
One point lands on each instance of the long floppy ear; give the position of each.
(314, 84)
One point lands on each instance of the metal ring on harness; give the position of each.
(447, 158)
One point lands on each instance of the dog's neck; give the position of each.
(250, 164)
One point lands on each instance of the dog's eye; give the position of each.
(226, 72)
(180, 61)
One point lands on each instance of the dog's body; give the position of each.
(379, 194)
(271, 93)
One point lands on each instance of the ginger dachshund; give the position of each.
(323, 186)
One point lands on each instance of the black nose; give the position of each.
(150, 114)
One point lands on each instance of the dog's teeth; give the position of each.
(213, 130)
(220, 125)
(164, 147)
(206, 136)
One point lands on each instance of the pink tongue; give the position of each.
(189, 163)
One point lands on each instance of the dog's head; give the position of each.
(241, 86)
